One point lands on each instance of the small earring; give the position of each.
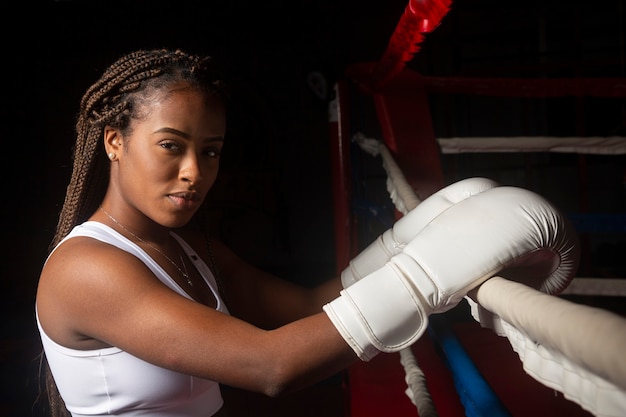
(112, 156)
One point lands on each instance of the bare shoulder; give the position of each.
(83, 284)
(86, 263)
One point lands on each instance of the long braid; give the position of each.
(114, 100)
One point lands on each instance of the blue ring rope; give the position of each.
(475, 394)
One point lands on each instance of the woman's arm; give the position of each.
(93, 295)
(264, 299)
(257, 296)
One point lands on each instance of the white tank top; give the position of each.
(113, 382)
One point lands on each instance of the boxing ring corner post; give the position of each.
(403, 112)
(339, 133)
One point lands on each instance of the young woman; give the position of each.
(127, 308)
(130, 304)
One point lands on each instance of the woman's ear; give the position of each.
(112, 142)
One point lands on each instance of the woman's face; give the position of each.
(171, 158)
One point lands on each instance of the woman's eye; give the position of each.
(212, 153)
(170, 146)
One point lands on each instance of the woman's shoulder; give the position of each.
(89, 231)
(83, 282)
(88, 250)
(92, 258)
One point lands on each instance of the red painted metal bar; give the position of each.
(404, 115)
(419, 17)
(340, 164)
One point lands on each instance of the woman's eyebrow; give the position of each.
(186, 135)
(173, 131)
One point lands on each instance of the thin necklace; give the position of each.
(184, 273)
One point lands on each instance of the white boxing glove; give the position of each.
(507, 231)
(405, 229)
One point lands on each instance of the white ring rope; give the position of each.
(605, 287)
(416, 383)
(610, 145)
(405, 200)
(575, 349)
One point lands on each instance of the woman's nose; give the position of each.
(190, 170)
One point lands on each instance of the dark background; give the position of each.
(274, 201)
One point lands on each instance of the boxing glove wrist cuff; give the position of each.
(381, 312)
(349, 326)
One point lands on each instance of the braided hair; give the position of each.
(115, 100)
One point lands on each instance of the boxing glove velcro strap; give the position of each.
(379, 313)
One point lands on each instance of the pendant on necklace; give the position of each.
(185, 273)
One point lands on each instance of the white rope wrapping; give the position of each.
(416, 383)
(605, 287)
(577, 350)
(405, 200)
(401, 193)
(610, 145)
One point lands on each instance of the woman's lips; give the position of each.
(186, 199)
